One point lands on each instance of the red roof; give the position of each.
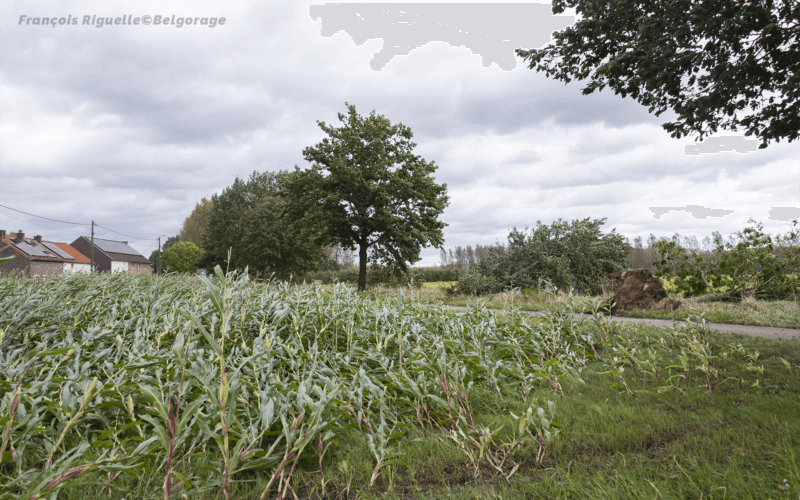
(77, 257)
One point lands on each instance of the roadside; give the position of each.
(755, 331)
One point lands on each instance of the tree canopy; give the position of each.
(182, 257)
(654, 51)
(754, 266)
(249, 218)
(575, 255)
(166, 244)
(369, 191)
(195, 224)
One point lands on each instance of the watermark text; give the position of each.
(127, 20)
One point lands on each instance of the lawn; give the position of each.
(137, 386)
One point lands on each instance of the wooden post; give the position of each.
(92, 265)
(159, 255)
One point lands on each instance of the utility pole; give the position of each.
(159, 256)
(92, 265)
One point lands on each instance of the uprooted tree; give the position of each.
(752, 267)
(575, 255)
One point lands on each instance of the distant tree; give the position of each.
(195, 224)
(182, 257)
(637, 242)
(368, 191)
(226, 226)
(749, 267)
(340, 257)
(574, 255)
(164, 245)
(273, 244)
(249, 217)
(655, 50)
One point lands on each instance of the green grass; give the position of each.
(381, 397)
(773, 313)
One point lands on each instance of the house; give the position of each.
(113, 256)
(38, 258)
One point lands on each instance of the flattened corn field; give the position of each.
(183, 387)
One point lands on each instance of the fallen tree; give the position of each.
(751, 268)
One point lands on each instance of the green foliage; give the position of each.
(257, 380)
(5, 259)
(368, 191)
(575, 255)
(377, 275)
(182, 257)
(474, 282)
(654, 52)
(195, 224)
(751, 267)
(164, 246)
(439, 273)
(248, 218)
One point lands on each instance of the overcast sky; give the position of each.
(131, 126)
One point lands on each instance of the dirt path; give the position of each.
(756, 331)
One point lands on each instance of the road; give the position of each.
(756, 331)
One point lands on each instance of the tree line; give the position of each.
(366, 196)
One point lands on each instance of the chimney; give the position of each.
(20, 236)
(2, 235)
(38, 238)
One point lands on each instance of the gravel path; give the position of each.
(756, 331)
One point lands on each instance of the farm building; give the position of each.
(38, 258)
(113, 256)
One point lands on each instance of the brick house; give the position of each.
(113, 256)
(37, 258)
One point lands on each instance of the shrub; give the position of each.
(472, 282)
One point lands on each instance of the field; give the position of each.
(139, 387)
(778, 313)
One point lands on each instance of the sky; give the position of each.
(131, 125)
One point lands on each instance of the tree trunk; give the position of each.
(719, 297)
(362, 267)
(509, 281)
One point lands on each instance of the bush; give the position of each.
(472, 282)
(182, 257)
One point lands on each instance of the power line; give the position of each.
(122, 234)
(47, 218)
(32, 223)
(67, 222)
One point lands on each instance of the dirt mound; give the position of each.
(636, 289)
(670, 304)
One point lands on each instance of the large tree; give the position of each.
(227, 220)
(369, 191)
(195, 225)
(655, 51)
(249, 219)
(274, 244)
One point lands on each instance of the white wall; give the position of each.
(77, 267)
(119, 267)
